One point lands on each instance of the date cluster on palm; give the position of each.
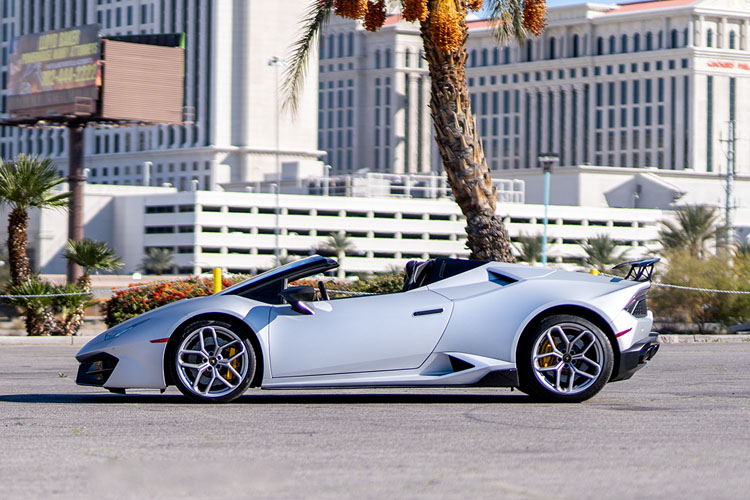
(445, 25)
(351, 9)
(414, 10)
(475, 5)
(375, 17)
(534, 12)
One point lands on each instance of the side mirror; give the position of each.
(296, 296)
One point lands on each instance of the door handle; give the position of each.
(428, 311)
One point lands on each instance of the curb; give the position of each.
(703, 339)
(663, 339)
(25, 340)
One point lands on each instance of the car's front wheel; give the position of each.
(564, 358)
(212, 361)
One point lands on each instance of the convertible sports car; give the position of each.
(556, 335)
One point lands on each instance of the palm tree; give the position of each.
(444, 33)
(158, 260)
(529, 248)
(91, 255)
(339, 244)
(742, 250)
(695, 226)
(601, 252)
(26, 183)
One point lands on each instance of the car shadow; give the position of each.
(275, 399)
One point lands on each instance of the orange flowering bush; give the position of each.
(138, 299)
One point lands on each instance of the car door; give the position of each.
(359, 334)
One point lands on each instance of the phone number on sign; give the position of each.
(63, 76)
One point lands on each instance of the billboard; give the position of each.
(52, 71)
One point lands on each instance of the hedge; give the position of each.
(138, 299)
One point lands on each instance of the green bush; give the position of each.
(673, 305)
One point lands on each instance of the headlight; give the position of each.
(112, 334)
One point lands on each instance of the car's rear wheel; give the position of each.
(564, 358)
(212, 361)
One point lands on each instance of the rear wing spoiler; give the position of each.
(640, 270)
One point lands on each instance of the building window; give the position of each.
(552, 48)
(576, 45)
(732, 42)
(710, 38)
(636, 42)
(624, 44)
(675, 42)
(649, 41)
(612, 44)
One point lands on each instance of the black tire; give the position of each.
(548, 377)
(222, 374)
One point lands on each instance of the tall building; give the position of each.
(230, 92)
(643, 84)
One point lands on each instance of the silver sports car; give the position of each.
(556, 335)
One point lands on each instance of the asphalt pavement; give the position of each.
(680, 428)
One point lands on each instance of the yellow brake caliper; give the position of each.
(546, 361)
(234, 363)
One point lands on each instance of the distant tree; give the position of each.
(529, 248)
(602, 254)
(158, 260)
(742, 250)
(26, 183)
(694, 227)
(339, 245)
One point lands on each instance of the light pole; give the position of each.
(276, 225)
(277, 62)
(546, 161)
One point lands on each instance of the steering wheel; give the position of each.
(322, 290)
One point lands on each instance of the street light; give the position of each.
(546, 161)
(276, 225)
(277, 62)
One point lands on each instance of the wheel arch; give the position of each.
(233, 320)
(575, 310)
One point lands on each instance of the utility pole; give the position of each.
(729, 188)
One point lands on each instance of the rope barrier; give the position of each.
(695, 289)
(342, 292)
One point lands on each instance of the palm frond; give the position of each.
(506, 19)
(29, 182)
(294, 75)
(91, 254)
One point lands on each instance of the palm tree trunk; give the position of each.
(461, 148)
(18, 223)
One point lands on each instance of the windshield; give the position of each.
(292, 271)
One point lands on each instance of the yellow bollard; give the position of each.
(595, 272)
(217, 279)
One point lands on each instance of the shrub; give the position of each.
(138, 299)
(49, 315)
(673, 305)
